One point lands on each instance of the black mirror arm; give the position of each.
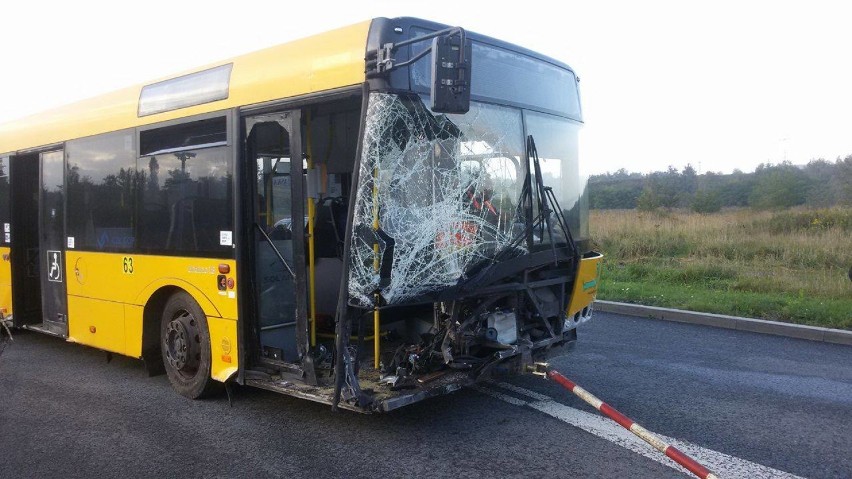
(382, 59)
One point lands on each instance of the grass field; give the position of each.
(789, 265)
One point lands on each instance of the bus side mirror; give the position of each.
(451, 68)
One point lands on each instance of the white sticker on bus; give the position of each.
(71, 242)
(226, 238)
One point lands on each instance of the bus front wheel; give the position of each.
(185, 342)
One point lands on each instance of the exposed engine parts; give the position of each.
(480, 336)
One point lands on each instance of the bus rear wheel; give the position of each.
(185, 342)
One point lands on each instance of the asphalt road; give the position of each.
(777, 402)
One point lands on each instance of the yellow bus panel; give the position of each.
(586, 284)
(132, 279)
(223, 348)
(107, 293)
(133, 330)
(5, 281)
(96, 323)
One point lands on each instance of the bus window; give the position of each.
(100, 177)
(185, 201)
(276, 288)
(556, 141)
(199, 133)
(185, 189)
(269, 143)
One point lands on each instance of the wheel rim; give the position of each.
(183, 344)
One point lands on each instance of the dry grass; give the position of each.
(803, 255)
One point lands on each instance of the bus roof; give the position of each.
(329, 60)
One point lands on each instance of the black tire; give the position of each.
(185, 345)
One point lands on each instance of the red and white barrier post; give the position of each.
(674, 453)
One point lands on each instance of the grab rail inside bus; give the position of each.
(274, 249)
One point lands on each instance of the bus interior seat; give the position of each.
(330, 227)
(280, 233)
(328, 272)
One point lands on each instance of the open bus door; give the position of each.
(37, 232)
(275, 181)
(54, 300)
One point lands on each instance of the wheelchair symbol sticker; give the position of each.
(54, 266)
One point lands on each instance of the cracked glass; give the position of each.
(438, 195)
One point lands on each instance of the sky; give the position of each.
(719, 85)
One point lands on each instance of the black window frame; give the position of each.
(6, 203)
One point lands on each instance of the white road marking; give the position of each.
(501, 396)
(525, 392)
(724, 465)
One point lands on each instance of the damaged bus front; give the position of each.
(468, 253)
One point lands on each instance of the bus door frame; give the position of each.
(52, 242)
(304, 369)
(30, 280)
(25, 250)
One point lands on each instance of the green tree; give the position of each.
(820, 183)
(780, 186)
(706, 201)
(841, 181)
(648, 200)
(666, 188)
(819, 173)
(614, 194)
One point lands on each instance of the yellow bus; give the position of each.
(367, 217)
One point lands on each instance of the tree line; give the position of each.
(820, 183)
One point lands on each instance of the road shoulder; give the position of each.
(790, 330)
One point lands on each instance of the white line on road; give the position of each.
(525, 392)
(724, 465)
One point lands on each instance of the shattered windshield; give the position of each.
(437, 194)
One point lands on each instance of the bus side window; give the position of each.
(185, 199)
(101, 177)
